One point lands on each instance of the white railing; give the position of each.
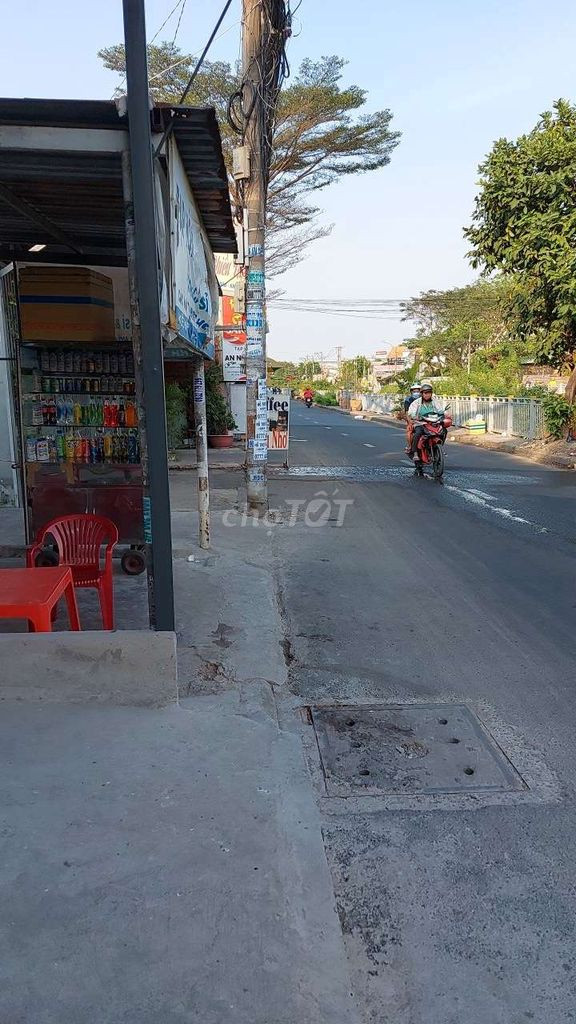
(512, 417)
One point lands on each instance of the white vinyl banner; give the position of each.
(190, 286)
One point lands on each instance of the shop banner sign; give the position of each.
(233, 343)
(278, 419)
(190, 286)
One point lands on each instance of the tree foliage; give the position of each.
(524, 224)
(453, 324)
(353, 372)
(320, 135)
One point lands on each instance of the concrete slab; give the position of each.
(129, 667)
(164, 867)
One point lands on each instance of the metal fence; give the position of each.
(512, 417)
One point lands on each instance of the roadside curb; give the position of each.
(212, 465)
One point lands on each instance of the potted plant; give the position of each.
(219, 420)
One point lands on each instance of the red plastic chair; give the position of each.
(79, 540)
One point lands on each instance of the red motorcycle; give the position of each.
(430, 446)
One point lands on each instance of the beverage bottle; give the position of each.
(37, 417)
(113, 362)
(122, 362)
(106, 413)
(113, 413)
(98, 362)
(45, 413)
(106, 362)
(31, 449)
(77, 413)
(53, 414)
(61, 361)
(44, 360)
(70, 448)
(90, 363)
(53, 362)
(60, 446)
(42, 452)
(133, 449)
(77, 358)
(85, 450)
(93, 451)
(121, 415)
(69, 362)
(107, 447)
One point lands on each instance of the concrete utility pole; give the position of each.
(255, 202)
(201, 453)
(156, 501)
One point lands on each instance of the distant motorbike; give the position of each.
(430, 448)
(309, 402)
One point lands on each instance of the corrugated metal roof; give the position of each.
(82, 194)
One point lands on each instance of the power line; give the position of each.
(167, 19)
(179, 21)
(168, 127)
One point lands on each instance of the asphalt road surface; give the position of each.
(455, 909)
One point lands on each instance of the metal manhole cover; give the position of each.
(409, 749)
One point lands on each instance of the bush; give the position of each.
(558, 414)
(176, 419)
(326, 398)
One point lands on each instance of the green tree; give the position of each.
(353, 372)
(453, 325)
(320, 135)
(524, 224)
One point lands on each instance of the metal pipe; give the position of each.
(145, 266)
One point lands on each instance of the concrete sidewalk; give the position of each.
(167, 866)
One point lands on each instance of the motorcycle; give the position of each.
(430, 446)
(309, 402)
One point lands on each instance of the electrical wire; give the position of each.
(179, 22)
(168, 127)
(166, 20)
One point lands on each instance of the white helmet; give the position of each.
(426, 385)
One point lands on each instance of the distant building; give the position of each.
(388, 362)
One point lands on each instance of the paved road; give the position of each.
(454, 910)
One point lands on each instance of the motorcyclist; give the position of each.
(308, 394)
(418, 409)
(415, 392)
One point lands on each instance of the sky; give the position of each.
(456, 75)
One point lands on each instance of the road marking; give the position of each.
(327, 428)
(344, 435)
(475, 498)
(300, 440)
(482, 494)
(366, 445)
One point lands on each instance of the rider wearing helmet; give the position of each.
(414, 394)
(420, 408)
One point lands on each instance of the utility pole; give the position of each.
(199, 385)
(255, 204)
(469, 349)
(149, 362)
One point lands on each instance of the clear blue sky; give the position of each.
(456, 75)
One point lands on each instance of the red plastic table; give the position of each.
(33, 593)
